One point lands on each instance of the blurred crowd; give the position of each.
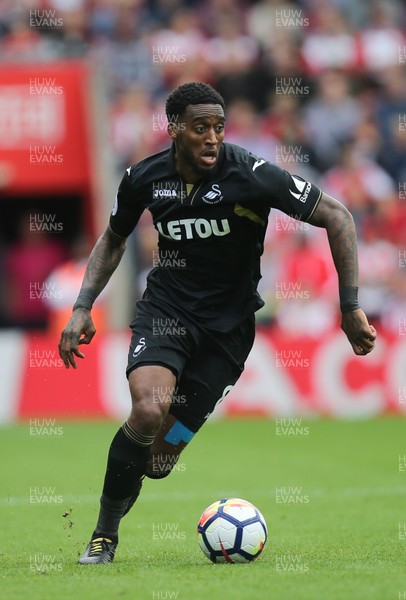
(316, 86)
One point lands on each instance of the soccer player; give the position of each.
(194, 326)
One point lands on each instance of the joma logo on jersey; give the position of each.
(167, 190)
(165, 194)
(191, 228)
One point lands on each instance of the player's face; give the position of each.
(198, 138)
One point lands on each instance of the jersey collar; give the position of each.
(171, 160)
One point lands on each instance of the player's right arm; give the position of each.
(103, 261)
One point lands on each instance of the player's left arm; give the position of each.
(342, 237)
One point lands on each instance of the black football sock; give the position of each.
(126, 466)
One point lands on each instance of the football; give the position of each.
(232, 530)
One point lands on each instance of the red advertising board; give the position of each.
(44, 128)
(284, 377)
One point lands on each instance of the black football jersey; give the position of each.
(210, 235)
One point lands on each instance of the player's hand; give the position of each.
(359, 332)
(79, 330)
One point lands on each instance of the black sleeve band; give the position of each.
(348, 298)
(85, 299)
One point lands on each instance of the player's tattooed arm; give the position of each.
(342, 237)
(103, 261)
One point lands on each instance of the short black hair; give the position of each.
(190, 93)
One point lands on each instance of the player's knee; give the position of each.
(149, 404)
(147, 414)
(146, 417)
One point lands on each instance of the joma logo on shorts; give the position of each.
(191, 228)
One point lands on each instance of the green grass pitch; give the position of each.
(332, 493)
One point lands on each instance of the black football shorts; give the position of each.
(206, 363)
